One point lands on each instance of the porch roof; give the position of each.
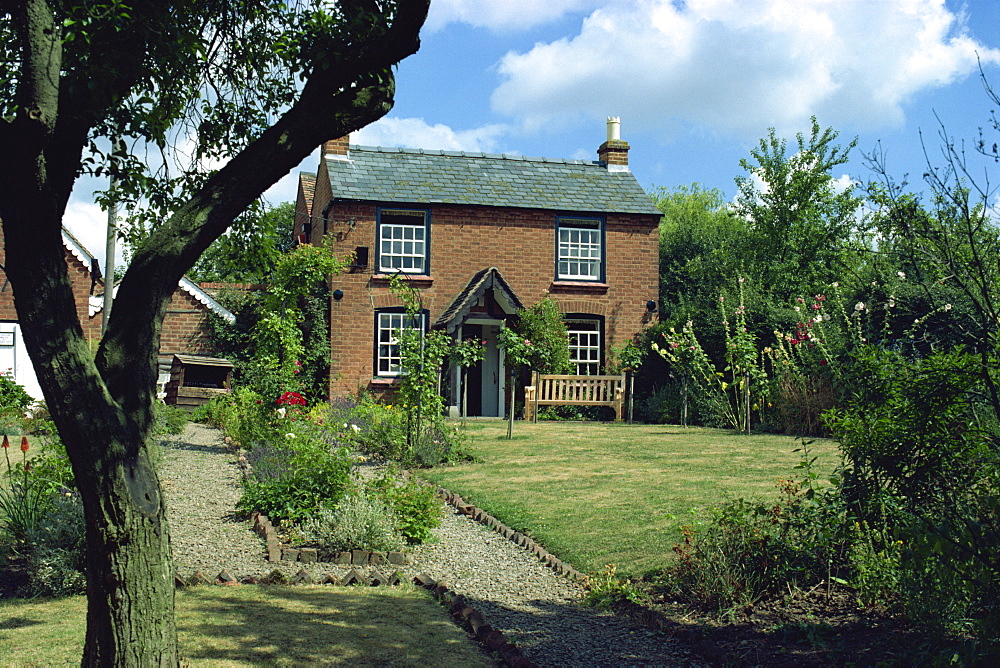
(458, 312)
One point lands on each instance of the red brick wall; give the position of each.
(185, 326)
(464, 240)
(79, 276)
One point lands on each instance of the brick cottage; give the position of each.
(481, 236)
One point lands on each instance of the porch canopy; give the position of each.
(488, 283)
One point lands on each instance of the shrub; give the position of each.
(294, 478)
(169, 419)
(752, 549)
(359, 522)
(13, 396)
(414, 505)
(381, 430)
(24, 496)
(55, 548)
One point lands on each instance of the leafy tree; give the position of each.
(244, 92)
(798, 218)
(701, 250)
(249, 250)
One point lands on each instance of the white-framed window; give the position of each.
(584, 345)
(388, 324)
(580, 249)
(403, 241)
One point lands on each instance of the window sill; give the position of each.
(579, 286)
(421, 280)
(386, 380)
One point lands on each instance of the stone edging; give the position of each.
(481, 516)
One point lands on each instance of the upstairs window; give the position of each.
(580, 249)
(585, 345)
(388, 325)
(403, 241)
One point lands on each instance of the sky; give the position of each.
(696, 84)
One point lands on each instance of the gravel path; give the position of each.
(536, 608)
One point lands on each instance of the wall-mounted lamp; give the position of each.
(650, 306)
(338, 294)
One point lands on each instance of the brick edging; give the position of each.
(516, 537)
(473, 621)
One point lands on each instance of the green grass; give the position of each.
(600, 493)
(273, 626)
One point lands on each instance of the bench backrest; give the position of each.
(579, 390)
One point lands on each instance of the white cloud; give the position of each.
(737, 66)
(416, 133)
(503, 15)
(88, 223)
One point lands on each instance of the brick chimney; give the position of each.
(613, 153)
(337, 146)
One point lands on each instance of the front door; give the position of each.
(485, 380)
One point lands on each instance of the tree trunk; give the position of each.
(130, 578)
(102, 404)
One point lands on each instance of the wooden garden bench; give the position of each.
(569, 390)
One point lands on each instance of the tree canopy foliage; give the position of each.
(799, 217)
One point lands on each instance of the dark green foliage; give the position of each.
(383, 431)
(542, 324)
(169, 419)
(750, 550)
(55, 549)
(248, 251)
(293, 479)
(921, 449)
(701, 250)
(13, 397)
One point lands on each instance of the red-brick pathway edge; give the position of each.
(473, 621)
(481, 516)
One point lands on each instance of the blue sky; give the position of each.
(696, 83)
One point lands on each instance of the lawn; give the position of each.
(256, 625)
(604, 493)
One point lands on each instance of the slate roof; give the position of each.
(458, 311)
(456, 177)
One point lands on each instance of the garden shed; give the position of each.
(195, 379)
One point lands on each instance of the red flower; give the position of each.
(822, 362)
(6, 442)
(24, 443)
(291, 399)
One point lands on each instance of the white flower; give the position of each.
(892, 302)
(947, 307)
(281, 412)
(798, 308)
(902, 275)
(818, 318)
(289, 435)
(355, 428)
(836, 285)
(860, 306)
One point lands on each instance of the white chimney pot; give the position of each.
(614, 128)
